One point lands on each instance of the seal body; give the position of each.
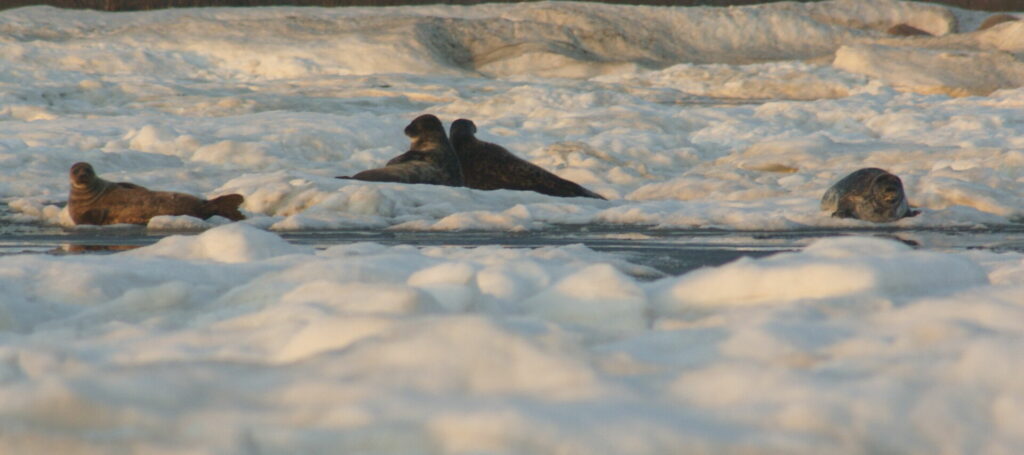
(430, 158)
(96, 201)
(869, 194)
(488, 166)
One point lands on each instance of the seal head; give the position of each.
(488, 166)
(869, 194)
(93, 200)
(82, 174)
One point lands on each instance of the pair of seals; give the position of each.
(430, 158)
(869, 194)
(466, 161)
(97, 201)
(489, 166)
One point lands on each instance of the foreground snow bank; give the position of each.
(182, 346)
(840, 269)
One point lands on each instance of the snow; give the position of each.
(234, 341)
(225, 338)
(274, 102)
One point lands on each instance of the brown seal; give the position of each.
(488, 166)
(97, 201)
(430, 158)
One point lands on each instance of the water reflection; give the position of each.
(75, 248)
(669, 251)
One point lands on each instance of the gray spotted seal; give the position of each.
(97, 201)
(869, 194)
(430, 158)
(488, 166)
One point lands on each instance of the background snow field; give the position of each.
(232, 340)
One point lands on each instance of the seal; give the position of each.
(96, 201)
(488, 166)
(869, 194)
(430, 158)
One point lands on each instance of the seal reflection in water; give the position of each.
(869, 194)
(488, 166)
(97, 201)
(430, 158)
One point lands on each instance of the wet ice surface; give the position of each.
(707, 306)
(670, 251)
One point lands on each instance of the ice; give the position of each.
(836, 270)
(956, 73)
(517, 349)
(231, 243)
(606, 95)
(223, 337)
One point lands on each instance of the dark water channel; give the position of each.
(670, 251)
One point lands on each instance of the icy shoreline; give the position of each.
(179, 100)
(233, 340)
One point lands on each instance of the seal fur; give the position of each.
(430, 158)
(869, 194)
(93, 200)
(488, 166)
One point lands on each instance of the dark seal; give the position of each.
(97, 201)
(488, 166)
(869, 194)
(430, 158)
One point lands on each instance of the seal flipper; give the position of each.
(225, 206)
(382, 174)
(411, 155)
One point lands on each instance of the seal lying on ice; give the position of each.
(430, 158)
(96, 201)
(488, 166)
(869, 194)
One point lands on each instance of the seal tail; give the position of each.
(588, 193)
(225, 206)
